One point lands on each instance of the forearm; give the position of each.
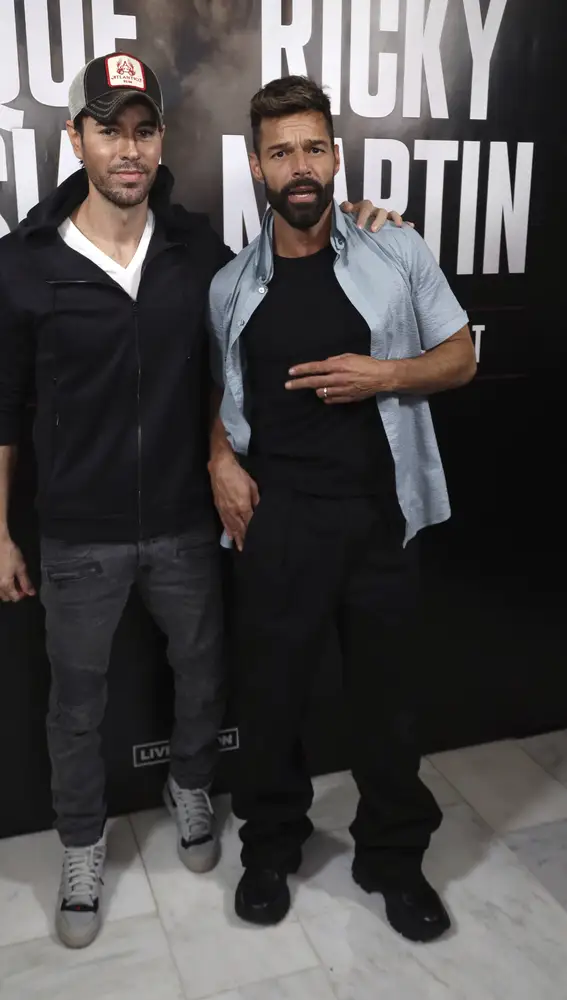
(448, 366)
(8, 454)
(219, 444)
(235, 493)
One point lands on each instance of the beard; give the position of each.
(297, 214)
(120, 193)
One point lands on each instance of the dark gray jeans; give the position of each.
(84, 592)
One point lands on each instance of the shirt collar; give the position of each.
(265, 252)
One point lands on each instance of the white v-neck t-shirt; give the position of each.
(127, 277)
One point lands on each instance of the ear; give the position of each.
(76, 141)
(337, 155)
(255, 167)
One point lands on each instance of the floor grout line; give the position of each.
(462, 794)
(450, 783)
(322, 964)
(158, 912)
(514, 743)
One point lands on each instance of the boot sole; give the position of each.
(419, 937)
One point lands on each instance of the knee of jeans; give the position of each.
(200, 662)
(195, 694)
(78, 697)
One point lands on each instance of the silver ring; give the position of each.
(325, 392)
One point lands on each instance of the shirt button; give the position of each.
(241, 322)
(340, 244)
(261, 289)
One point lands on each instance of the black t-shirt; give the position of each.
(298, 440)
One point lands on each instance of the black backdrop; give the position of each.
(489, 656)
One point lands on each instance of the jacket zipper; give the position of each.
(139, 415)
(139, 393)
(139, 368)
(55, 432)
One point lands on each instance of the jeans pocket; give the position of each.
(63, 562)
(73, 572)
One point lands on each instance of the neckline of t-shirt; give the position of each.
(318, 255)
(141, 249)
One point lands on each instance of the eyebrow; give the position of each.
(289, 145)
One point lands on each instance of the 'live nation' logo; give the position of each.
(146, 754)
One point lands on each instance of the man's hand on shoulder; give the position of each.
(368, 216)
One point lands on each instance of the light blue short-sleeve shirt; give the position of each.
(393, 280)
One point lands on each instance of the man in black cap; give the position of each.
(103, 291)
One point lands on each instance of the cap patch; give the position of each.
(125, 71)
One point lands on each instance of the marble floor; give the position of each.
(500, 859)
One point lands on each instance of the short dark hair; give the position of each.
(79, 123)
(290, 95)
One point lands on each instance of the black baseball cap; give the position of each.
(105, 84)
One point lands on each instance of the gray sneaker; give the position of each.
(78, 918)
(197, 845)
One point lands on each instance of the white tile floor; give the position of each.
(500, 859)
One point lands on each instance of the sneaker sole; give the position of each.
(199, 866)
(76, 942)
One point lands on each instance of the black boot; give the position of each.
(262, 896)
(415, 911)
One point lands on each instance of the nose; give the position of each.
(301, 167)
(128, 148)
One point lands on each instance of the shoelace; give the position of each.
(82, 872)
(196, 812)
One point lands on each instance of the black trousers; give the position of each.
(307, 563)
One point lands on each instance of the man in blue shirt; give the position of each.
(324, 464)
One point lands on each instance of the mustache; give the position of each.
(310, 185)
(130, 169)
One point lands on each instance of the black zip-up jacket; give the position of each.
(121, 387)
